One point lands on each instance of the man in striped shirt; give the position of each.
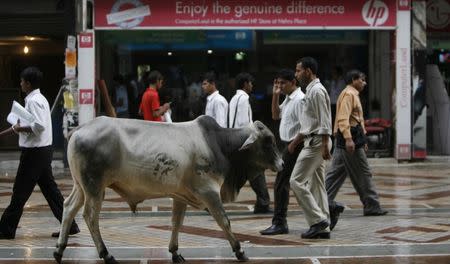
(308, 177)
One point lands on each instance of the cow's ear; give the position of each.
(258, 125)
(248, 142)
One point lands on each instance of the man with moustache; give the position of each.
(308, 176)
(349, 156)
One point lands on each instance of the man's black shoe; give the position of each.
(334, 215)
(317, 231)
(275, 230)
(262, 210)
(73, 231)
(376, 212)
(6, 236)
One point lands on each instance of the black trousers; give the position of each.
(259, 186)
(282, 186)
(34, 168)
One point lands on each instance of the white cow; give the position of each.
(196, 163)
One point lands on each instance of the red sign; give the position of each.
(404, 5)
(86, 40)
(201, 14)
(86, 96)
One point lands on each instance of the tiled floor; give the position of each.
(416, 230)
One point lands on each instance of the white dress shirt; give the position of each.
(37, 105)
(290, 115)
(315, 110)
(240, 107)
(217, 108)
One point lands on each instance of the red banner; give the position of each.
(201, 14)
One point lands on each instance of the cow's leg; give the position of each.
(92, 207)
(178, 211)
(214, 204)
(72, 204)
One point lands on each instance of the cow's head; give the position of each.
(261, 143)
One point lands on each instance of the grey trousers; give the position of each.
(356, 166)
(308, 181)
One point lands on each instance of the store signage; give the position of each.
(86, 40)
(438, 16)
(404, 5)
(201, 14)
(86, 96)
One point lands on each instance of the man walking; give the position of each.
(240, 115)
(349, 156)
(35, 141)
(289, 114)
(216, 104)
(308, 176)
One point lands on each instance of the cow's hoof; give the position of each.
(110, 260)
(240, 255)
(177, 258)
(57, 256)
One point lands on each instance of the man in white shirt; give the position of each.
(289, 113)
(216, 104)
(308, 176)
(240, 115)
(35, 141)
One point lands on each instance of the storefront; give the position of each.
(183, 39)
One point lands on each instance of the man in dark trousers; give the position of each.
(35, 141)
(349, 157)
(289, 113)
(240, 115)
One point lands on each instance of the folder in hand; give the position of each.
(19, 112)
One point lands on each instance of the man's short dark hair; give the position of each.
(309, 63)
(353, 75)
(32, 75)
(286, 74)
(154, 76)
(243, 78)
(209, 77)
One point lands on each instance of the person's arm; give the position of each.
(276, 111)
(321, 104)
(161, 110)
(326, 155)
(7, 131)
(295, 142)
(221, 113)
(243, 113)
(15, 129)
(39, 113)
(343, 121)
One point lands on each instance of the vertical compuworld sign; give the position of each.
(403, 81)
(86, 76)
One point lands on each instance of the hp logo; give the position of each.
(375, 12)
